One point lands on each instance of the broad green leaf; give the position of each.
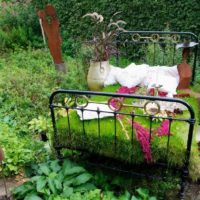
(85, 187)
(53, 175)
(46, 191)
(58, 184)
(54, 165)
(44, 169)
(23, 189)
(32, 196)
(74, 170)
(55, 197)
(67, 164)
(41, 182)
(135, 198)
(52, 185)
(125, 196)
(68, 182)
(152, 198)
(109, 196)
(35, 178)
(67, 191)
(60, 176)
(83, 178)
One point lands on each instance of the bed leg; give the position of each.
(183, 182)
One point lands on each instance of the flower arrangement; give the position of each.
(103, 36)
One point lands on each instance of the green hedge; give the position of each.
(181, 15)
(19, 23)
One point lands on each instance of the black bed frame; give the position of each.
(124, 42)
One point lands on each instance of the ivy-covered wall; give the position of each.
(179, 15)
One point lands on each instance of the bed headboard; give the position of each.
(155, 48)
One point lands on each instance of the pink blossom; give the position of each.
(163, 129)
(143, 136)
(114, 102)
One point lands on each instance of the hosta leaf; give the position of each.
(67, 191)
(55, 197)
(152, 198)
(68, 182)
(41, 182)
(44, 168)
(85, 187)
(52, 185)
(83, 178)
(46, 191)
(32, 196)
(125, 196)
(74, 170)
(135, 198)
(60, 176)
(35, 178)
(110, 195)
(23, 189)
(54, 165)
(67, 164)
(58, 184)
(53, 175)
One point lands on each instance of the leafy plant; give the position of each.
(69, 181)
(103, 36)
(18, 151)
(53, 179)
(40, 124)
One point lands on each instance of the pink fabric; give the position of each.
(126, 90)
(122, 90)
(151, 92)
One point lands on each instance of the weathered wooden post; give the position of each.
(50, 24)
(184, 69)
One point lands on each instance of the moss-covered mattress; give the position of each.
(124, 145)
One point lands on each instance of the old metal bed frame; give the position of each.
(137, 37)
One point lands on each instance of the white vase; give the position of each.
(97, 74)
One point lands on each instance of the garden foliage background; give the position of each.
(27, 73)
(21, 20)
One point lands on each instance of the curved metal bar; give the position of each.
(109, 94)
(159, 32)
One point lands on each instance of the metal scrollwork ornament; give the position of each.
(151, 107)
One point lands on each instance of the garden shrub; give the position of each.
(28, 79)
(19, 151)
(19, 25)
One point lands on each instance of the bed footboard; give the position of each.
(133, 129)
